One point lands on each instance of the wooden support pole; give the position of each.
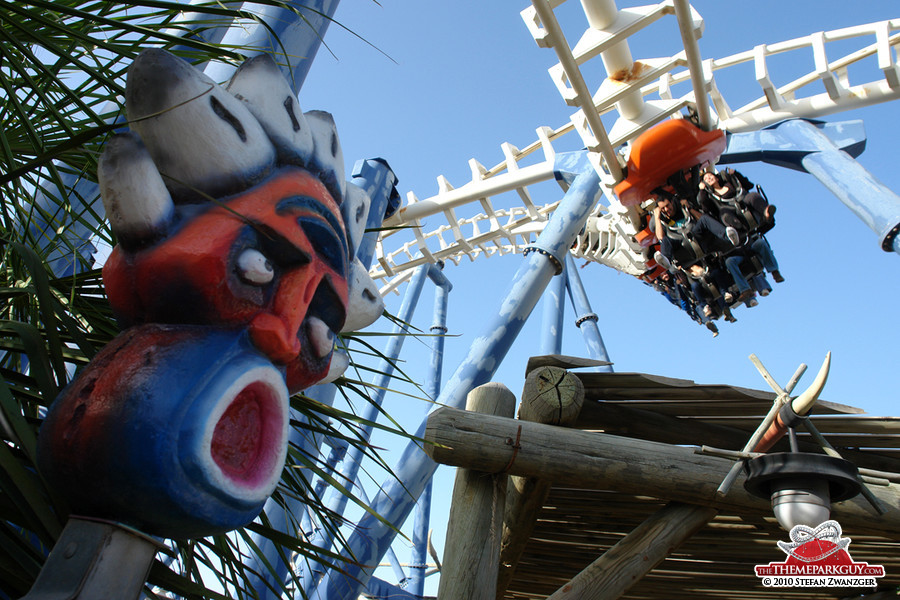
(638, 553)
(472, 551)
(600, 461)
(553, 396)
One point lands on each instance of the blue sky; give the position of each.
(449, 81)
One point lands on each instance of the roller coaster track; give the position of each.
(498, 212)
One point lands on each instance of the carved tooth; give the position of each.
(803, 403)
(364, 304)
(134, 195)
(321, 337)
(355, 211)
(203, 140)
(267, 94)
(328, 158)
(339, 364)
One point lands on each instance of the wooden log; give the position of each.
(550, 395)
(600, 461)
(472, 551)
(635, 555)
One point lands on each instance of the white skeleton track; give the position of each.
(637, 100)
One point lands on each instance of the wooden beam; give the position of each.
(606, 462)
(550, 395)
(619, 419)
(635, 555)
(472, 551)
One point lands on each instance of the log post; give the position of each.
(553, 396)
(472, 550)
(638, 553)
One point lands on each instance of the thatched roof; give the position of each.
(576, 526)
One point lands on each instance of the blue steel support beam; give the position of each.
(826, 151)
(585, 318)
(337, 501)
(377, 179)
(397, 497)
(264, 577)
(399, 574)
(419, 557)
(382, 590)
(554, 312)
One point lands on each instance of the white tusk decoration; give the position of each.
(364, 304)
(203, 140)
(339, 364)
(137, 202)
(803, 403)
(355, 212)
(328, 158)
(266, 93)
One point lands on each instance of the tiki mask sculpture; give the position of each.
(234, 271)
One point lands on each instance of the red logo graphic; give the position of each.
(818, 558)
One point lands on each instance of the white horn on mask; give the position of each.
(364, 303)
(137, 203)
(203, 140)
(328, 158)
(266, 93)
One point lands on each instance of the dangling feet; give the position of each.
(777, 276)
(733, 236)
(712, 327)
(662, 261)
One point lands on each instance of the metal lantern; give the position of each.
(802, 485)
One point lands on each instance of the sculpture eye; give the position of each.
(254, 267)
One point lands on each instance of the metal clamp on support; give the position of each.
(555, 261)
(588, 317)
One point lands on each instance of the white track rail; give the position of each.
(505, 217)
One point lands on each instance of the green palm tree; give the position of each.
(62, 69)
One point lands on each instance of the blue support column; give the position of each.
(337, 501)
(585, 318)
(397, 497)
(262, 577)
(419, 558)
(378, 180)
(554, 312)
(826, 151)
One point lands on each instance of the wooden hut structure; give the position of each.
(622, 502)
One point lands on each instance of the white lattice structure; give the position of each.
(634, 95)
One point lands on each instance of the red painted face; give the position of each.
(273, 260)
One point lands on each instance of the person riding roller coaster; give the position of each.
(677, 224)
(727, 196)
